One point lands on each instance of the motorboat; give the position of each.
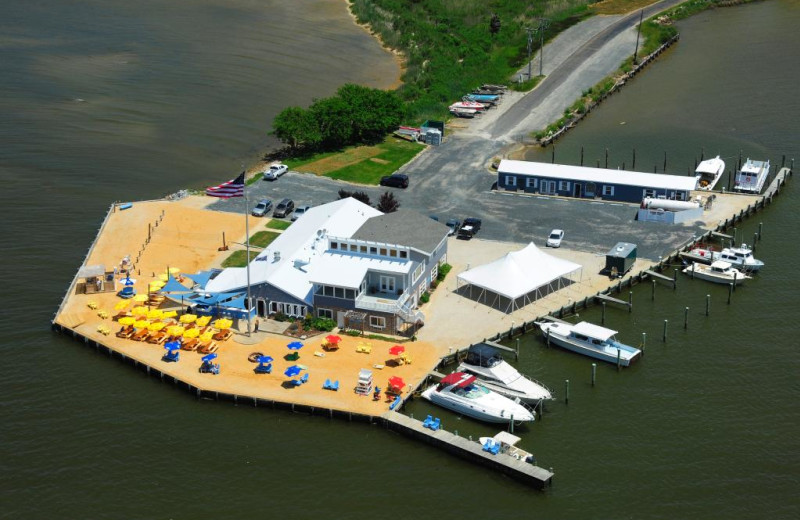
(487, 364)
(479, 107)
(463, 112)
(718, 272)
(741, 258)
(461, 393)
(482, 98)
(708, 172)
(590, 340)
(752, 176)
(506, 443)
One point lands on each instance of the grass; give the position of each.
(278, 224)
(618, 6)
(238, 259)
(263, 238)
(360, 164)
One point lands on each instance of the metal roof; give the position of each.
(597, 175)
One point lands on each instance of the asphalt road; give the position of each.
(453, 180)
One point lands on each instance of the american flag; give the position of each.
(232, 188)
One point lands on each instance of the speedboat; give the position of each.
(463, 112)
(590, 340)
(479, 107)
(492, 371)
(718, 272)
(506, 443)
(751, 176)
(708, 173)
(461, 393)
(741, 258)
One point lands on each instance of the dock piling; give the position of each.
(644, 342)
(686, 318)
(630, 301)
(664, 338)
(603, 319)
(653, 294)
(675, 279)
(619, 359)
(566, 391)
(516, 352)
(760, 227)
(730, 292)
(594, 373)
(708, 304)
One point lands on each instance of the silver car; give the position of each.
(299, 211)
(262, 208)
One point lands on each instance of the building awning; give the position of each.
(89, 271)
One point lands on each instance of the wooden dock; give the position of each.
(469, 450)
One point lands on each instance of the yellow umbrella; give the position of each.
(202, 321)
(175, 330)
(141, 298)
(206, 336)
(155, 314)
(188, 318)
(127, 320)
(139, 311)
(169, 314)
(173, 270)
(154, 327)
(122, 304)
(155, 285)
(191, 333)
(223, 323)
(163, 277)
(141, 324)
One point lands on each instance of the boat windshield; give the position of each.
(472, 391)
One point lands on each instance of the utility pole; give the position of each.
(544, 23)
(530, 44)
(638, 31)
(247, 252)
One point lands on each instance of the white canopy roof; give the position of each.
(593, 331)
(519, 272)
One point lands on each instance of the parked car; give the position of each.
(283, 208)
(396, 180)
(468, 229)
(275, 171)
(262, 208)
(434, 217)
(454, 224)
(299, 212)
(555, 238)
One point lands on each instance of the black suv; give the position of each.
(283, 208)
(396, 180)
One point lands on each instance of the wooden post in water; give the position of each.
(516, 352)
(702, 155)
(644, 342)
(619, 359)
(665, 161)
(566, 391)
(664, 338)
(603, 319)
(708, 304)
(553, 156)
(735, 275)
(686, 318)
(755, 239)
(730, 292)
(674, 278)
(760, 226)
(594, 373)
(630, 301)
(653, 295)
(633, 164)
(547, 335)
(581, 155)
(606, 157)
(693, 268)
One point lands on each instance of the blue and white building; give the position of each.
(591, 183)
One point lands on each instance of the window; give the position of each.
(590, 189)
(364, 249)
(649, 192)
(325, 313)
(373, 250)
(377, 322)
(350, 294)
(434, 272)
(563, 185)
(328, 290)
(353, 248)
(403, 254)
(530, 182)
(387, 283)
(383, 251)
(339, 292)
(608, 191)
(511, 180)
(334, 245)
(393, 253)
(417, 273)
(547, 187)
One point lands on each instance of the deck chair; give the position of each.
(207, 348)
(435, 424)
(264, 369)
(190, 344)
(427, 422)
(157, 338)
(327, 384)
(141, 335)
(335, 385)
(125, 332)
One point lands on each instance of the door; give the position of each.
(577, 190)
(387, 284)
(261, 307)
(340, 319)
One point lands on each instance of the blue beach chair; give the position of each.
(335, 385)
(436, 423)
(427, 422)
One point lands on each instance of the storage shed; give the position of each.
(620, 259)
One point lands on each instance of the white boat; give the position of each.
(739, 257)
(708, 173)
(463, 112)
(751, 176)
(479, 107)
(590, 340)
(506, 443)
(492, 371)
(718, 272)
(461, 393)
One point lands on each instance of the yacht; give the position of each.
(739, 257)
(487, 364)
(751, 177)
(708, 173)
(718, 272)
(590, 340)
(461, 393)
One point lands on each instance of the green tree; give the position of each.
(334, 121)
(494, 25)
(388, 203)
(373, 112)
(296, 127)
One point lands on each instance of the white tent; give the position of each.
(519, 278)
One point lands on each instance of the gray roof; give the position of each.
(404, 228)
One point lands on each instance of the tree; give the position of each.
(358, 195)
(494, 25)
(374, 112)
(387, 203)
(296, 127)
(334, 120)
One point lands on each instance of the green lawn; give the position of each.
(360, 164)
(278, 224)
(237, 258)
(263, 238)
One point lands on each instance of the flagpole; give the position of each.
(247, 247)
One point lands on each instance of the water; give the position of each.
(702, 427)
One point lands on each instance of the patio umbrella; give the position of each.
(294, 345)
(127, 320)
(139, 311)
(175, 330)
(223, 323)
(293, 371)
(128, 281)
(155, 314)
(191, 333)
(169, 314)
(202, 321)
(188, 318)
(141, 324)
(172, 345)
(333, 338)
(206, 336)
(155, 327)
(209, 357)
(155, 285)
(163, 277)
(122, 304)
(397, 382)
(140, 298)
(397, 350)
(173, 270)
(265, 359)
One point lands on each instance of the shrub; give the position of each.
(425, 298)
(323, 324)
(443, 270)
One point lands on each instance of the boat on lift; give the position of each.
(708, 172)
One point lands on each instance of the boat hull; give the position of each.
(532, 396)
(476, 411)
(703, 274)
(624, 356)
(565, 343)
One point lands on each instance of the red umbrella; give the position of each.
(397, 383)
(333, 338)
(397, 350)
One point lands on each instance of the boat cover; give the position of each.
(593, 331)
(458, 377)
